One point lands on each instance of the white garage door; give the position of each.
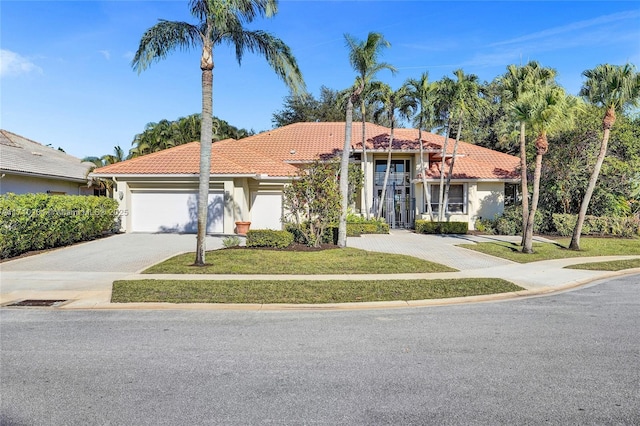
(266, 210)
(173, 211)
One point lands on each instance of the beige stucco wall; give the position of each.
(20, 184)
(489, 200)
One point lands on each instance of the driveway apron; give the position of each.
(87, 270)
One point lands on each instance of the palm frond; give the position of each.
(274, 50)
(161, 39)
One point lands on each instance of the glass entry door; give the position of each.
(397, 205)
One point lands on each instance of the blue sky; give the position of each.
(66, 78)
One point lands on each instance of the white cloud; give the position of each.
(13, 64)
(573, 27)
(106, 54)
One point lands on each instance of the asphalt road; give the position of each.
(571, 358)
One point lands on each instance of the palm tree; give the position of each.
(462, 96)
(517, 81)
(612, 88)
(219, 21)
(422, 91)
(552, 110)
(116, 157)
(391, 101)
(364, 59)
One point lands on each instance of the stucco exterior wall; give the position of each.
(20, 184)
(489, 200)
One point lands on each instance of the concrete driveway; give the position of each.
(87, 270)
(84, 273)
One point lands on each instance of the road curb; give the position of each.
(350, 306)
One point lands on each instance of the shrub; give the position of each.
(231, 241)
(312, 201)
(41, 221)
(269, 238)
(428, 227)
(361, 226)
(510, 222)
(598, 225)
(485, 226)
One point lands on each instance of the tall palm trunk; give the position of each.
(441, 206)
(524, 184)
(607, 124)
(451, 164)
(206, 135)
(541, 149)
(344, 178)
(427, 193)
(364, 161)
(386, 174)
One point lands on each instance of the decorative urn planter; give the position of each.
(242, 227)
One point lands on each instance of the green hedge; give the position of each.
(269, 238)
(354, 229)
(368, 227)
(598, 225)
(428, 227)
(40, 221)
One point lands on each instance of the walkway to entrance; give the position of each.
(434, 248)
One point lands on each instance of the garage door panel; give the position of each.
(166, 211)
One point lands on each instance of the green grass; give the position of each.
(558, 250)
(614, 265)
(335, 261)
(296, 292)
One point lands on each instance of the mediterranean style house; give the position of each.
(29, 167)
(158, 192)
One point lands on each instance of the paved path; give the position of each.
(84, 273)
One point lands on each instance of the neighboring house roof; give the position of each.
(275, 152)
(26, 157)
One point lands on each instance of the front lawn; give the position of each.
(325, 262)
(614, 265)
(302, 291)
(558, 250)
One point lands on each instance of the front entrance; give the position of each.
(398, 207)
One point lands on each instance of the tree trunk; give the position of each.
(364, 162)
(427, 193)
(344, 176)
(386, 174)
(607, 124)
(445, 201)
(206, 134)
(441, 206)
(528, 239)
(524, 185)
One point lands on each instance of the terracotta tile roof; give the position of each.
(24, 156)
(273, 152)
(227, 157)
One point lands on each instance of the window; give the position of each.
(511, 194)
(457, 198)
(399, 174)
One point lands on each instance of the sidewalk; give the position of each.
(92, 290)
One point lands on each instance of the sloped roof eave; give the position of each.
(43, 175)
(168, 175)
(468, 179)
